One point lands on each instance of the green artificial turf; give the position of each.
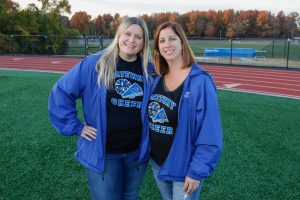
(260, 158)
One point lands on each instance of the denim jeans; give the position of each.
(121, 179)
(172, 190)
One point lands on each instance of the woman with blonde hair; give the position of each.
(185, 124)
(114, 86)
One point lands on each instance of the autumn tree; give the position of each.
(228, 16)
(291, 23)
(275, 27)
(229, 22)
(183, 21)
(99, 25)
(263, 23)
(81, 21)
(192, 24)
(210, 30)
(150, 24)
(115, 24)
(220, 24)
(108, 19)
(160, 18)
(248, 22)
(172, 16)
(280, 18)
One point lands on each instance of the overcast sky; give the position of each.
(139, 7)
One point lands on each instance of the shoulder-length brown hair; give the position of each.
(160, 64)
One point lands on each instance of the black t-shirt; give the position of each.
(163, 119)
(124, 124)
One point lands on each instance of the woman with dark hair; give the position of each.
(114, 86)
(185, 124)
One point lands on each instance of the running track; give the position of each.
(253, 80)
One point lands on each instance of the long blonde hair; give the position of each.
(106, 65)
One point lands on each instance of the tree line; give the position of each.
(51, 19)
(226, 23)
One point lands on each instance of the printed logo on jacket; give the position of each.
(127, 89)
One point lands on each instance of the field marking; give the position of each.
(47, 68)
(231, 85)
(256, 81)
(33, 70)
(18, 59)
(245, 73)
(261, 93)
(55, 62)
(251, 70)
(286, 79)
(263, 86)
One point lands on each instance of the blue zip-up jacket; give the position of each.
(197, 144)
(81, 82)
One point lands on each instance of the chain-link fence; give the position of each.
(251, 52)
(284, 53)
(50, 45)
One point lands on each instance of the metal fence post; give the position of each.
(284, 53)
(288, 53)
(101, 42)
(11, 44)
(47, 46)
(85, 46)
(273, 49)
(299, 52)
(230, 51)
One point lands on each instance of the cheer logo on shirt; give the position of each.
(127, 90)
(158, 114)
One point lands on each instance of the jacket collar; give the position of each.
(196, 69)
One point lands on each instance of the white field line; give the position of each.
(247, 68)
(252, 71)
(260, 93)
(293, 75)
(261, 86)
(32, 70)
(277, 78)
(37, 67)
(236, 80)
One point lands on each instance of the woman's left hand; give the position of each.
(190, 185)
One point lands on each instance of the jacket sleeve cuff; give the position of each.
(192, 175)
(79, 128)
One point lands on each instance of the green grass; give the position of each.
(260, 160)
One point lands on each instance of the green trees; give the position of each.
(33, 29)
(43, 29)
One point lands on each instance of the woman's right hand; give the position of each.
(89, 133)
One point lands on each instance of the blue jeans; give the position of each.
(172, 190)
(121, 179)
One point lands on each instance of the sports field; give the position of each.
(274, 53)
(260, 160)
(76, 47)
